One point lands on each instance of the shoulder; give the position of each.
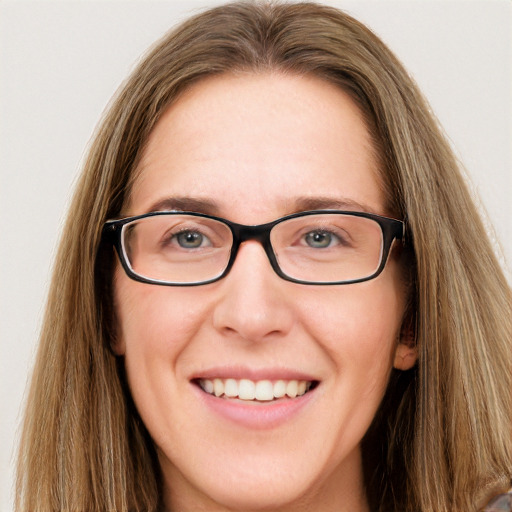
(500, 503)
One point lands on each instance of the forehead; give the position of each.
(257, 142)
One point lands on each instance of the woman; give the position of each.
(351, 352)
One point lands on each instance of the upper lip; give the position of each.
(240, 372)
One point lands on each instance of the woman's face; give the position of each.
(252, 148)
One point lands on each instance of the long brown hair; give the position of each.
(442, 438)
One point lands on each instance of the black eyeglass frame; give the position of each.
(392, 229)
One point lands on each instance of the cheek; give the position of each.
(358, 327)
(155, 317)
(157, 327)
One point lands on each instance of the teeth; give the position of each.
(262, 390)
(279, 388)
(302, 387)
(207, 385)
(292, 388)
(246, 389)
(218, 387)
(231, 388)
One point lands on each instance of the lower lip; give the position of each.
(253, 414)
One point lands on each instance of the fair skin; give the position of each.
(252, 148)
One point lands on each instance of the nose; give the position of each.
(255, 304)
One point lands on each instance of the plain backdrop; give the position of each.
(60, 62)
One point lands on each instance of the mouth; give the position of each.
(255, 391)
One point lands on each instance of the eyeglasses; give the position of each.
(319, 247)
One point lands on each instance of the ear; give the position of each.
(117, 343)
(406, 352)
(114, 338)
(405, 357)
(118, 346)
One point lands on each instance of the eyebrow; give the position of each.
(186, 204)
(329, 203)
(299, 204)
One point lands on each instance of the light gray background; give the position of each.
(60, 62)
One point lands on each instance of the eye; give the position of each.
(320, 239)
(190, 239)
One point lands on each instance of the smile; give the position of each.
(262, 390)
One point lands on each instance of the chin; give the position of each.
(262, 481)
(259, 494)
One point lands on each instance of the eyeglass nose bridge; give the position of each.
(260, 234)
